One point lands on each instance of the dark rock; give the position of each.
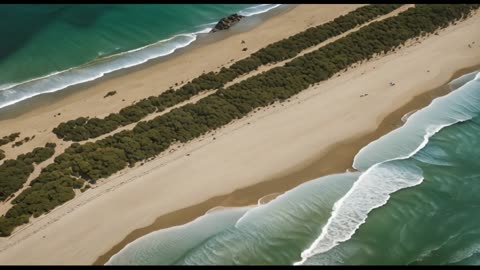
(244, 49)
(227, 22)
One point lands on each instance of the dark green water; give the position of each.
(46, 40)
(414, 201)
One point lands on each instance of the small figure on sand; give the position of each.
(392, 83)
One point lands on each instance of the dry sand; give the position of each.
(153, 78)
(210, 53)
(268, 144)
(320, 165)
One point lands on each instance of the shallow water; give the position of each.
(50, 47)
(413, 201)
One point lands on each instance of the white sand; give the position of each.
(277, 140)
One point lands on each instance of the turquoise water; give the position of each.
(413, 201)
(49, 47)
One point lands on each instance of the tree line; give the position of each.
(15, 172)
(94, 160)
(84, 128)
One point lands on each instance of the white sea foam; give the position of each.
(273, 224)
(370, 191)
(267, 198)
(61, 80)
(321, 192)
(11, 93)
(407, 115)
(464, 253)
(458, 82)
(380, 180)
(199, 241)
(258, 9)
(457, 106)
(167, 245)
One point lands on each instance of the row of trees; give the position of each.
(9, 138)
(84, 128)
(94, 160)
(15, 172)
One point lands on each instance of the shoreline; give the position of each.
(281, 139)
(319, 166)
(39, 115)
(44, 99)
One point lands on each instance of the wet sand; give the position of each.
(322, 165)
(314, 133)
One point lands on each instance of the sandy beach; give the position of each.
(153, 79)
(272, 150)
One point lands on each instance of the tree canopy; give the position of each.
(94, 160)
(84, 128)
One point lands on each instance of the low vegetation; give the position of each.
(16, 144)
(84, 128)
(15, 172)
(10, 138)
(94, 160)
(21, 142)
(109, 94)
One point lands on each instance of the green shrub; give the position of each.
(111, 93)
(9, 138)
(14, 173)
(16, 144)
(51, 145)
(83, 129)
(92, 161)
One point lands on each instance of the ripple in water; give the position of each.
(414, 201)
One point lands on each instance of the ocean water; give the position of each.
(46, 48)
(414, 200)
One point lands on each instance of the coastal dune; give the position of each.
(275, 140)
(207, 54)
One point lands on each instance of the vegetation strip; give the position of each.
(8, 139)
(94, 160)
(84, 128)
(15, 172)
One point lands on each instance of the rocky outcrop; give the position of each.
(227, 22)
